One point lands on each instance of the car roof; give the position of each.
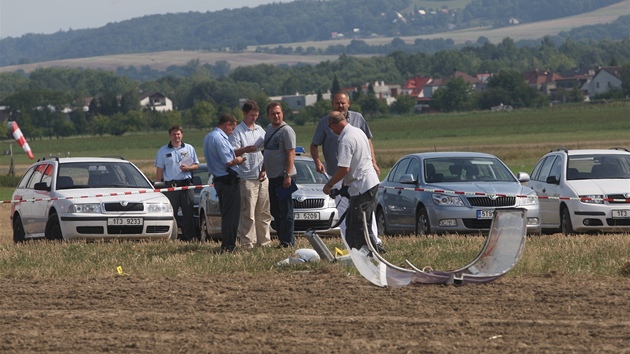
(428, 155)
(82, 159)
(597, 152)
(204, 167)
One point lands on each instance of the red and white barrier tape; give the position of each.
(506, 195)
(113, 194)
(171, 189)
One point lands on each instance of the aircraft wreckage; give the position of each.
(501, 252)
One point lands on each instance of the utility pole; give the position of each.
(11, 166)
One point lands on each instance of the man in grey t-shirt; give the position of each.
(279, 157)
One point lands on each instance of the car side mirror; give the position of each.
(553, 180)
(42, 186)
(159, 185)
(408, 179)
(522, 177)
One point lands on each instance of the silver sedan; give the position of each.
(451, 192)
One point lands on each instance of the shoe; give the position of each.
(228, 250)
(380, 249)
(283, 245)
(365, 250)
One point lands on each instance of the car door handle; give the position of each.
(399, 191)
(544, 190)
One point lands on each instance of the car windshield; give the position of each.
(457, 169)
(307, 173)
(602, 166)
(100, 174)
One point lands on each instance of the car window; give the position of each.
(401, 169)
(600, 166)
(37, 175)
(556, 169)
(414, 168)
(545, 168)
(47, 176)
(455, 169)
(26, 178)
(104, 174)
(307, 173)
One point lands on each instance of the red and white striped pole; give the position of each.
(19, 137)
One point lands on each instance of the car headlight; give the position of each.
(599, 199)
(85, 208)
(331, 203)
(159, 208)
(447, 200)
(531, 199)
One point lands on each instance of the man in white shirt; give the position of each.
(247, 140)
(356, 169)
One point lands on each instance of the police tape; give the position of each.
(498, 195)
(417, 189)
(112, 194)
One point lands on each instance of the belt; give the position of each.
(227, 179)
(178, 182)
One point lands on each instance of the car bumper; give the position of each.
(96, 228)
(320, 220)
(448, 220)
(598, 217)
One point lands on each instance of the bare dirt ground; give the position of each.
(310, 312)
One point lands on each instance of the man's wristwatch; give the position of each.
(286, 174)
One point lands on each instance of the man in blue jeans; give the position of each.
(279, 157)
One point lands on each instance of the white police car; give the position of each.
(89, 198)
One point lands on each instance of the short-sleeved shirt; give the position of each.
(169, 158)
(218, 152)
(354, 152)
(244, 136)
(276, 147)
(329, 141)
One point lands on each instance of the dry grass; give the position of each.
(600, 255)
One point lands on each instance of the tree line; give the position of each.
(49, 102)
(291, 22)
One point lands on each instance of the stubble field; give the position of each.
(307, 311)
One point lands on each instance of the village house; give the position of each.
(605, 79)
(155, 101)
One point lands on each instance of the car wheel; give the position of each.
(53, 228)
(174, 231)
(205, 233)
(565, 222)
(19, 235)
(380, 223)
(422, 222)
(203, 225)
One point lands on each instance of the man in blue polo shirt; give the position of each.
(174, 164)
(223, 165)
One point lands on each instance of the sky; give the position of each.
(18, 17)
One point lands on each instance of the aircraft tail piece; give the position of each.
(501, 252)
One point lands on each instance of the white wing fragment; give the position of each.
(501, 252)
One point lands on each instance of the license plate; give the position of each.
(618, 214)
(485, 214)
(306, 216)
(124, 221)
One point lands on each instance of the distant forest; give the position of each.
(298, 21)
